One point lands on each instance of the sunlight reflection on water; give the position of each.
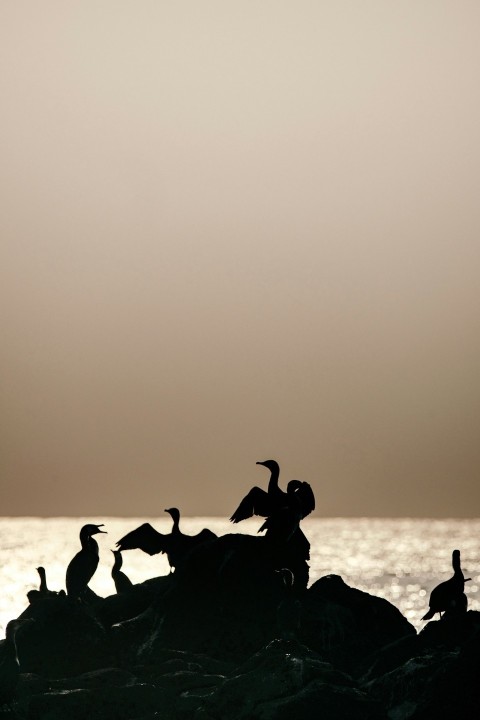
(400, 559)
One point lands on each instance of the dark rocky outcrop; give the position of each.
(66, 639)
(285, 679)
(432, 675)
(228, 637)
(346, 624)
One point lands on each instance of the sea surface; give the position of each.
(397, 559)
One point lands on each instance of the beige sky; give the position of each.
(234, 231)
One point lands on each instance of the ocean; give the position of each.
(397, 559)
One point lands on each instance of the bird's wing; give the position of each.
(282, 523)
(306, 498)
(255, 502)
(145, 538)
(205, 535)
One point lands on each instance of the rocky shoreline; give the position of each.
(229, 637)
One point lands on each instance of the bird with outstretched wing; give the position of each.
(145, 538)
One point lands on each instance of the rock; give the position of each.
(451, 631)
(95, 680)
(285, 678)
(124, 606)
(346, 624)
(223, 602)
(441, 677)
(65, 639)
(74, 704)
(230, 636)
(28, 685)
(387, 658)
(454, 692)
(168, 660)
(128, 637)
(134, 701)
(320, 699)
(401, 690)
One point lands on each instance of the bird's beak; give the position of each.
(101, 531)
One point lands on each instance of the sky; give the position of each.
(236, 231)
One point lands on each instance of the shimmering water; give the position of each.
(400, 560)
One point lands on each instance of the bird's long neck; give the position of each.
(273, 482)
(176, 523)
(93, 546)
(117, 563)
(43, 580)
(88, 542)
(456, 565)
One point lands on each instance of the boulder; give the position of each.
(283, 680)
(66, 639)
(441, 676)
(450, 633)
(127, 703)
(223, 602)
(346, 624)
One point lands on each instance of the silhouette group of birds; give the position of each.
(283, 512)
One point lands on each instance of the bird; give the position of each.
(176, 545)
(289, 547)
(264, 503)
(284, 520)
(43, 591)
(122, 582)
(9, 664)
(449, 595)
(81, 568)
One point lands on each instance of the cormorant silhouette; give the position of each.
(449, 595)
(43, 591)
(282, 523)
(289, 547)
(122, 582)
(259, 502)
(83, 565)
(176, 544)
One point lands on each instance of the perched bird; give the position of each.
(449, 595)
(43, 591)
(265, 503)
(284, 520)
(289, 547)
(9, 665)
(176, 545)
(82, 567)
(122, 582)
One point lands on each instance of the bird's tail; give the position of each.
(429, 615)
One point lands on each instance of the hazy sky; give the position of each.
(234, 231)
